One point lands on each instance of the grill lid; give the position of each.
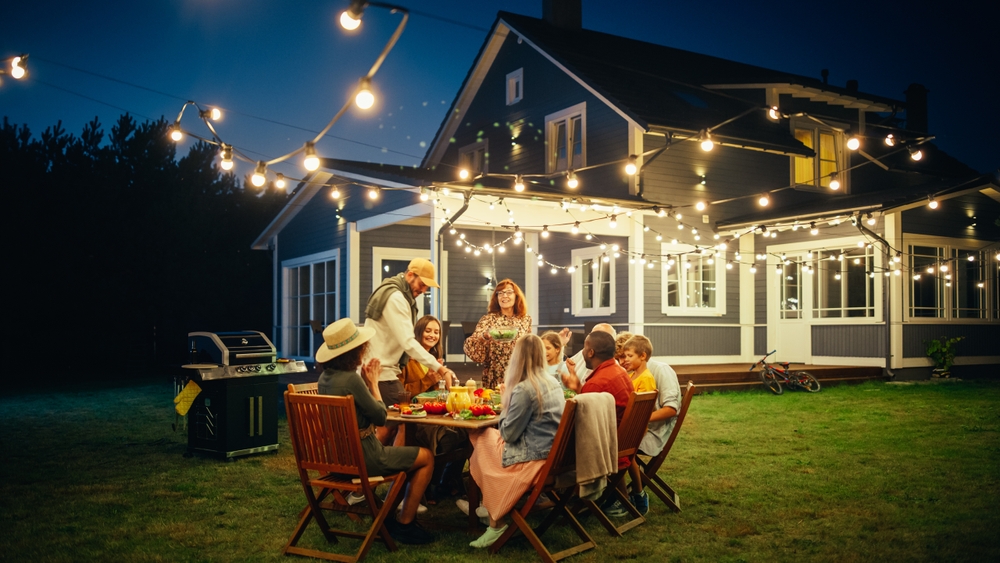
(231, 348)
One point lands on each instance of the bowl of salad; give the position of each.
(503, 333)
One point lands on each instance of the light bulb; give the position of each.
(373, 193)
(424, 196)
(258, 177)
(571, 181)
(365, 98)
(311, 161)
(871, 219)
(854, 143)
(915, 153)
(834, 182)
(463, 173)
(764, 200)
(349, 19)
(753, 268)
(706, 141)
(932, 203)
(227, 157)
(576, 228)
(700, 206)
(215, 114)
(773, 113)
(279, 181)
(335, 193)
(613, 222)
(630, 168)
(175, 133)
(17, 69)
(518, 183)
(890, 140)
(812, 229)
(545, 231)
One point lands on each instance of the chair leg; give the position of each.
(662, 490)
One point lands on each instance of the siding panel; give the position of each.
(861, 341)
(980, 339)
(694, 341)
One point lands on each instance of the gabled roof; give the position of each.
(658, 87)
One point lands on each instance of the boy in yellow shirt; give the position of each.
(637, 351)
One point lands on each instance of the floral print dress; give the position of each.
(492, 354)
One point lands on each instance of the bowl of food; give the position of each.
(503, 333)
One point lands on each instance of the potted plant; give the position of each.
(942, 351)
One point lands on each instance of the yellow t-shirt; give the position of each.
(643, 382)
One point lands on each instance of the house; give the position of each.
(574, 162)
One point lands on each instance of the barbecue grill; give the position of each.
(236, 413)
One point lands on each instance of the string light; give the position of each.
(311, 161)
(175, 133)
(259, 177)
(518, 183)
(373, 193)
(700, 206)
(576, 228)
(613, 223)
(871, 219)
(812, 228)
(706, 141)
(365, 99)
(890, 140)
(571, 181)
(18, 67)
(227, 157)
(854, 143)
(915, 153)
(334, 193)
(764, 200)
(834, 181)
(350, 19)
(463, 173)
(279, 181)
(773, 113)
(931, 202)
(545, 231)
(631, 168)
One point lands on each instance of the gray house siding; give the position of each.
(980, 339)
(394, 236)
(760, 340)
(860, 341)
(694, 341)
(547, 90)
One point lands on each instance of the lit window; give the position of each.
(566, 139)
(817, 170)
(945, 284)
(842, 286)
(593, 282)
(474, 158)
(310, 295)
(515, 86)
(695, 285)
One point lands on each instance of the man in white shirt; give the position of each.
(392, 311)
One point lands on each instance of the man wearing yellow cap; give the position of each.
(392, 311)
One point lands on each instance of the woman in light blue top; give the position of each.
(555, 361)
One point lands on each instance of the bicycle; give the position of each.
(773, 377)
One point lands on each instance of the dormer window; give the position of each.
(817, 171)
(566, 139)
(515, 86)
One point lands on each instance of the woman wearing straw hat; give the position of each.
(342, 353)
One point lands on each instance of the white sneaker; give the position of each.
(421, 509)
(481, 512)
(353, 498)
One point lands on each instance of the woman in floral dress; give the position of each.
(507, 310)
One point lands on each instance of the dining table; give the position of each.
(471, 424)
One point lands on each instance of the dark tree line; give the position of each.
(119, 249)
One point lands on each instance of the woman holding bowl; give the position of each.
(492, 342)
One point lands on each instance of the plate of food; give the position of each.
(408, 411)
(503, 334)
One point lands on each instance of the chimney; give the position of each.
(916, 108)
(565, 14)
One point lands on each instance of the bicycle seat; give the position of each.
(784, 364)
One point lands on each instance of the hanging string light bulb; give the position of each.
(279, 181)
(545, 231)
(931, 202)
(227, 157)
(631, 167)
(854, 143)
(518, 183)
(463, 173)
(311, 161)
(18, 68)
(373, 193)
(334, 193)
(259, 177)
(834, 181)
(700, 206)
(613, 223)
(365, 99)
(571, 181)
(576, 228)
(773, 114)
(706, 140)
(890, 141)
(175, 133)
(763, 200)
(350, 19)
(915, 153)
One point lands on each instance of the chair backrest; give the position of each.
(656, 462)
(304, 388)
(634, 422)
(325, 435)
(562, 456)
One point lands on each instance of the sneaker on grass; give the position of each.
(616, 510)
(481, 512)
(640, 502)
(488, 538)
(410, 534)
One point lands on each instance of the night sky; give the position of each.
(281, 70)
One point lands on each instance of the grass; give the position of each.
(873, 472)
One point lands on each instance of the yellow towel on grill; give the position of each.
(184, 399)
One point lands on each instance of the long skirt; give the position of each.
(501, 486)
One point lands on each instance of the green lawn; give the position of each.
(873, 472)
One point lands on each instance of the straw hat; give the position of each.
(342, 336)
(425, 270)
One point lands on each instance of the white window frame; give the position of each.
(578, 255)
(380, 253)
(551, 124)
(843, 264)
(837, 131)
(466, 158)
(515, 86)
(953, 251)
(286, 267)
(682, 273)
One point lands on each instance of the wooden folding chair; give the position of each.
(561, 461)
(650, 470)
(327, 446)
(304, 388)
(630, 432)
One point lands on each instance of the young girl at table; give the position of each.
(555, 362)
(417, 379)
(507, 460)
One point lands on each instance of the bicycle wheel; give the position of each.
(807, 381)
(771, 382)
